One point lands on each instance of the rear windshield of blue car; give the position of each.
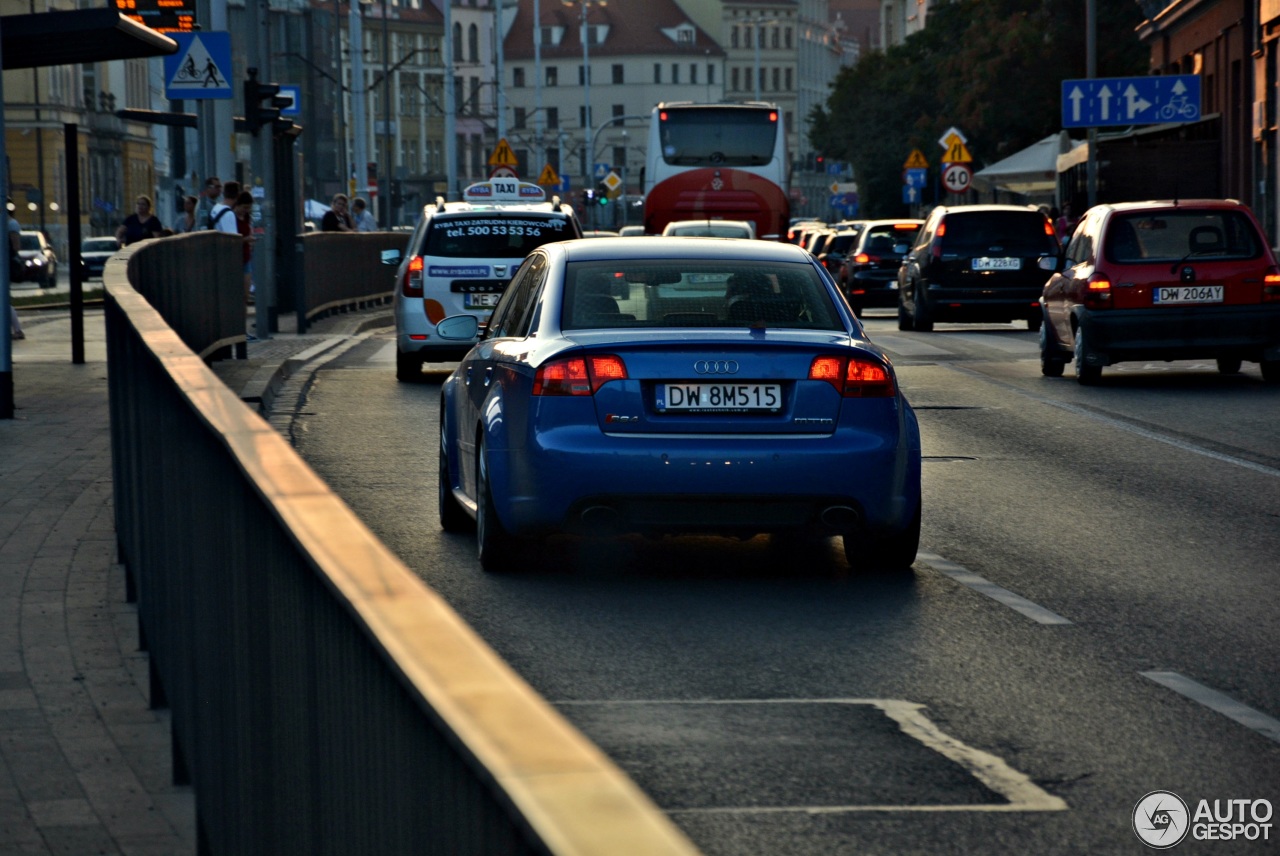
(494, 235)
(1172, 236)
(696, 294)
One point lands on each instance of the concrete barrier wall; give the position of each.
(324, 699)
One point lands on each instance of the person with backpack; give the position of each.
(223, 216)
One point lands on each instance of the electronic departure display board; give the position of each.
(166, 16)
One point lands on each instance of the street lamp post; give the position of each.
(586, 103)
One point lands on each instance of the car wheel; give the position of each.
(1034, 322)
(1229, 366)
(1271, 371)
(921, 317)
(1051, 362)
(408, 367)
(453, 517)
(496, 548)
(894, 554)
(1086, 374)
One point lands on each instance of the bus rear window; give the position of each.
(718, 136)
(487, 235)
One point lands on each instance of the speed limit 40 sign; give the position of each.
(957, 177)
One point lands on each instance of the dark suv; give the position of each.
(977, 263)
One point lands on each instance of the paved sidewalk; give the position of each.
(85, 764)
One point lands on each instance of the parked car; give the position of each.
(710, 229)
(868, 273)
(1191, 279)
(976, 263)
(615, 369)
(39, 262)
(460, 258)
(94, 253)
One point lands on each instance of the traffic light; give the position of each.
(262, 102)
(819, 163)
(602, 194)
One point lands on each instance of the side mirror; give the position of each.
(458, 327)
(1052, 264)
(391, 257)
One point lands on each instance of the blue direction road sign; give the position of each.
(915, 177)
(910, 195)
(295, 106)
(1130, 100)
(601, 170)
(201, 68)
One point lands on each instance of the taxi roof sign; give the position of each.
(504, 190)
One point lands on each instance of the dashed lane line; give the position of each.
(966, 577)
(1222, 703)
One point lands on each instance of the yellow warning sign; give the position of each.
(916, 160)
(957, 152)
(502, 155)
(548, 176)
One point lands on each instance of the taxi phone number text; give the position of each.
(494, 230)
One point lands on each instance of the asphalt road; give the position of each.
(1092, 617)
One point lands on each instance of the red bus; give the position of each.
(717, 162)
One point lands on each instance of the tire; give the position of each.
(1034, 323)
(1086, 374)
(921, 317)
(495, 546)
(904, 319)
(1229, 366)
(894, 554)
(1270, 371)
(453, 517)
(1051, 362)
(408, 368)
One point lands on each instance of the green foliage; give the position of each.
(992, 68)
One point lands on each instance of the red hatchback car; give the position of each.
(1179, 280)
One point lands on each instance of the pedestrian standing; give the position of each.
(209, 199)
(223, 216)
(15, 264)
(361, 216)
(337, 218)
(186, 221)
(244, 227)
(139, 225)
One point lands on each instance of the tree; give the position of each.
(992, 68)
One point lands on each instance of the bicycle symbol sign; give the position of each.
(1130, 100)
(200, 68)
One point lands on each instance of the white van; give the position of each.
(461, 257)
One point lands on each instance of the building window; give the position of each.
(777, 79)
(620, 160)
(733, 77)
(553, 117)
(657, 72)
(788, 118)
(517, 75)
(733, 36)
(789, 80)
(553, 76)
(457, 43)
(518, 117)
(711, 75)
(775, 37)
(584, 74)
(473, 43)
(675, 73)
(619, 110)
(684, 36)
(617, 73)
(787, 36)
(693, 72)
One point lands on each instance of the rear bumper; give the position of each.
(879, 288)
(1201, 332)
(1012, 303)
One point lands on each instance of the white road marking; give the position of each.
(1267, 726)
(385, 354)
(1021, 792)
(965, 577)
(1124, 426)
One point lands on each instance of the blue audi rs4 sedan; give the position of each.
(670, 386)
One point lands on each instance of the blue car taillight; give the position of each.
(578, 375)
(853, 377)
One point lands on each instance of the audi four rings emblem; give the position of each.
(716, 367)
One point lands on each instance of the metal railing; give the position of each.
(324, 699)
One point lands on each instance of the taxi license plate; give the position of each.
(1187, 294)
(997, 264)
(718, 397)
(482, 301)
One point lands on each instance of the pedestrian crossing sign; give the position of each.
(201, 67)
